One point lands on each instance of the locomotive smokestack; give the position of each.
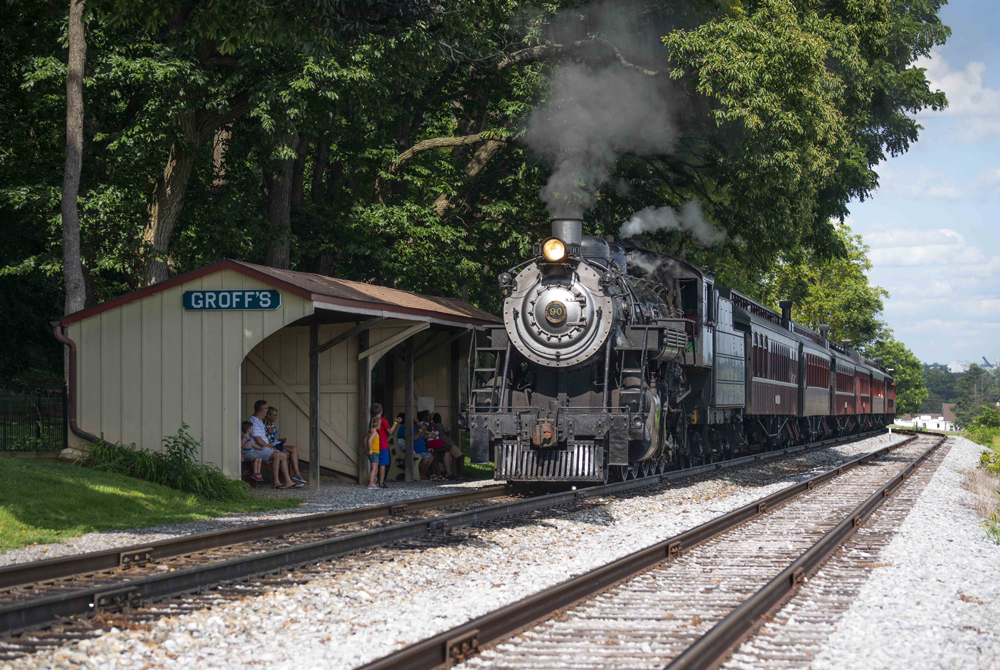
(570, 231)
(786, 313)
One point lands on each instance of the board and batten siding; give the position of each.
(277, 370)
(431, 378)
(148, 365)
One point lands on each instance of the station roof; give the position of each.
(327, 292)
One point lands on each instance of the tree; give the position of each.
(833, 290)
(977, 390)
(907, 373)
(940, 387)
(408, 169)
(76, 290)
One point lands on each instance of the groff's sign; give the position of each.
(231, 299)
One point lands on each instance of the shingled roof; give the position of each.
(323, 289)
(372, 296)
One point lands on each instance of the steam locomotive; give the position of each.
(612, 365)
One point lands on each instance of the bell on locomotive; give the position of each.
(573, 386)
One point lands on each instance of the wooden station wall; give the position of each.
(277, 370)
(148, 366)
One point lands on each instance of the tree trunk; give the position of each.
(279, 209)
(76, 290)
(168, 200)
(220, 145)
(165, 209)
(482, 156)
(319, 167)
(298, 172)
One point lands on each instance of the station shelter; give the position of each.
(201, 348)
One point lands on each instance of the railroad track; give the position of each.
(73, 597)
(687, 601)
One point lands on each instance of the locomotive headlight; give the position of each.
(553, 249)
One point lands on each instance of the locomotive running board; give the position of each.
(578, 463)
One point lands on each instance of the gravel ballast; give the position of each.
(347, 620)
(934, 602)
(332, 496)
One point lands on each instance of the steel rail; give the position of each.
(109, 559)
(714, 646)
(457, 644)
(45, 609)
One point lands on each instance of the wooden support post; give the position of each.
(388, 387)
(411, 410)
(455, 390)
(364, 409)
(314, 407)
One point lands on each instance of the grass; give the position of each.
(45, 501)
(984, 482)
(473, 470)
(985, 486)
(175, 466)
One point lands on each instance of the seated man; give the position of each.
(278, 444)
(279, 459)
(454, 459)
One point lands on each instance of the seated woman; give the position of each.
(435, 445)
(271, 430)
(453, 458)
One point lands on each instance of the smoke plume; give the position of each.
(591, 119)
(651, 264)
(688, 219)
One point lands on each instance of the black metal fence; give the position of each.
(32, 419)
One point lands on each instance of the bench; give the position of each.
(246, 470)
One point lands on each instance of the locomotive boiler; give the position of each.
(614, 363)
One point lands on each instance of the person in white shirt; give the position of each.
(279, 458)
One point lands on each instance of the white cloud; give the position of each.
(940, 248)
(926, 183)
(977, 107)
(944, 291)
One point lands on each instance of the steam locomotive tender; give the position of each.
(614, 366)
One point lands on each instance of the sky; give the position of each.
(933, 226)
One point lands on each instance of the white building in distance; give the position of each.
(943, 420)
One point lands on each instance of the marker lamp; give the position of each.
(553, 249)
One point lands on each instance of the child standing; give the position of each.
(383, 440)
(374, 447)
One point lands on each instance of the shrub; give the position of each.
(985, 430)
(174, 467)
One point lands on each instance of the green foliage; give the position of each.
(985, 430)
(992, 527)
(977, 392)
(787, 109)
(832, 290)
(46, 501)
(940, 387)
(34, 444)
(907, 373)
(174, 467)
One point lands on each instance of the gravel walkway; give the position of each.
(333, 495)
(346, 620)
(935, 603)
